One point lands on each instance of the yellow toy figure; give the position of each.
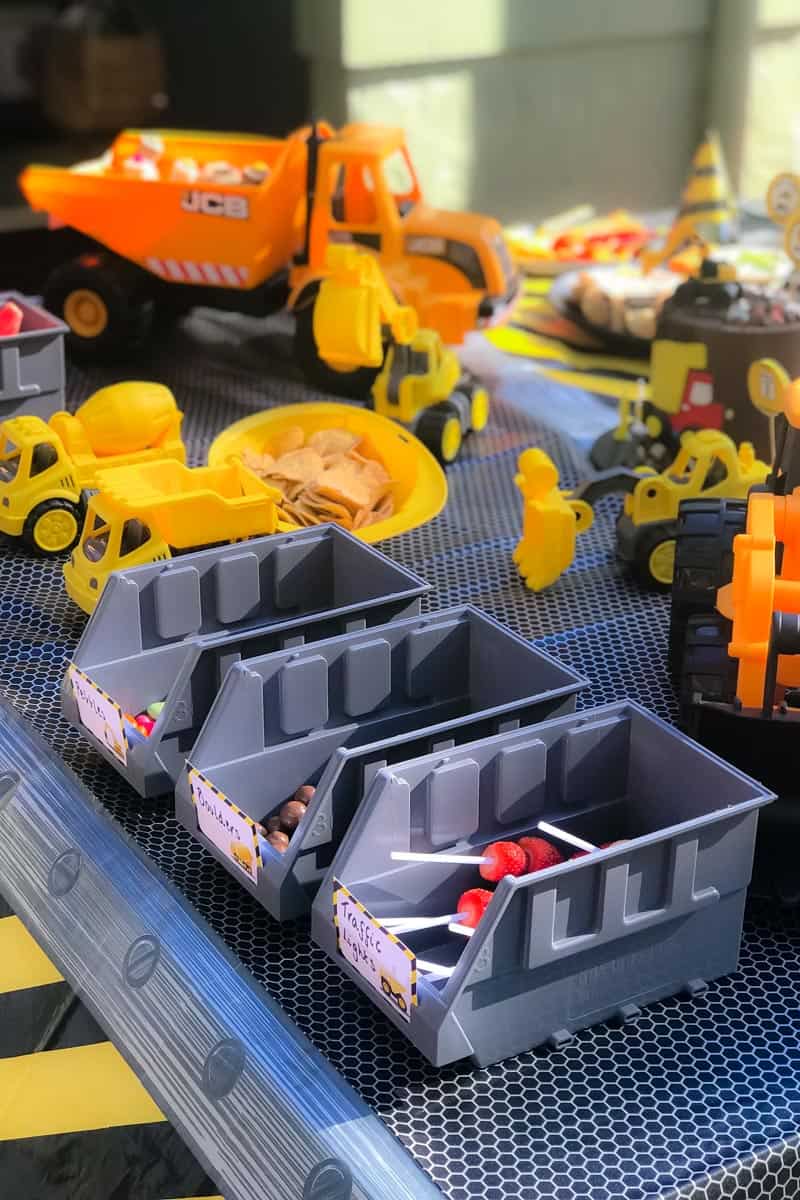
(550, 521)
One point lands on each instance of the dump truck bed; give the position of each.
(206, 233)
(189, 506)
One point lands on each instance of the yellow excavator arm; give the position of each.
(354, 306)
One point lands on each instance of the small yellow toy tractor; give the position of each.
(708, 464)
(423, 386)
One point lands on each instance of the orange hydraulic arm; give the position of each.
(758, 590)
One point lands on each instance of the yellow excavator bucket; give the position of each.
(550, 521)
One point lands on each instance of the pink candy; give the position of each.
(145, 723)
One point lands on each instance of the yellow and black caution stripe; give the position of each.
(706, 201)
(75, 1121)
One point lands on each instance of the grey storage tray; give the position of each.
(567, 947)
(336, 712)
(32, 373)
(170, 630)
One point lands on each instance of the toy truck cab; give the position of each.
(34, 464)
(453, 268)
(46, 466)
(153, 511)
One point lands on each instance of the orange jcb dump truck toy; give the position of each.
(245, 223)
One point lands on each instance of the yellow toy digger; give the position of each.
(708, 465)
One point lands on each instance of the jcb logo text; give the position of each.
(215, 204)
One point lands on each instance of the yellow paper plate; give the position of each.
(420, 484)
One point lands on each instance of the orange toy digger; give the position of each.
(735, 621)
(177, 219)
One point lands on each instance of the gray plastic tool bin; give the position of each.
(170, 630)
(32, 363)
(571, 946)
(336, 712)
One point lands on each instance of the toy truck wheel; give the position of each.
(355, 385)
(439, 428)
(102, 305)
(705, 669)
(479, 409)
(703, 563)
(53, 527)
(654, 561)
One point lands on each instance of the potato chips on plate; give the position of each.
(332, 476)
(337, 462)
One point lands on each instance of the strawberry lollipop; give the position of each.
(472, 905)
(501, 859)
(539, 853)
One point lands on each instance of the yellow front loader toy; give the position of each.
(709, 466)
(551, 519)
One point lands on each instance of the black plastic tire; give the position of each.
(649, 539)
(703, 563)
(430, 429)
(356, 385)
(123, 291)
(706, 670)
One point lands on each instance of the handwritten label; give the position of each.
(376, 954)
(98, 713)
(231, 830)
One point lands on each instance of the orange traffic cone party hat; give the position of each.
(706, 201)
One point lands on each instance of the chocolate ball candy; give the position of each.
(272, 824)
(279, 841)
(291, 814)
(304, 794)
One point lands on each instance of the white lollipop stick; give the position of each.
(470, 860)
(464, 930)
(434, 968)
(416, 924)
(569, 838)
(391, 921)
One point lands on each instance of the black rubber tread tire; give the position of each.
(703, 562)
(430, 426)
(123, 289)
(355, 385)
(705, 668)
(48, 506)
(647, 540)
